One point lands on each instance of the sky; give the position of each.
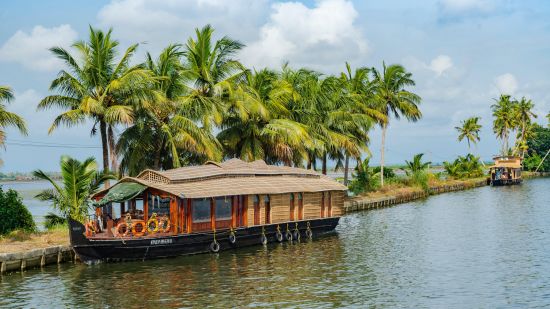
(462, 53)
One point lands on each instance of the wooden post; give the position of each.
(213, 213)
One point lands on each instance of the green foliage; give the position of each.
(52, 221)
(538, 145)
(416, 165)
(420, 178)
(468, 166)
(13, 214)
(79, 181)
(364, 179)
(389, 172)
(469, 130)
(8, 119)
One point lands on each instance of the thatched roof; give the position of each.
(235, 177)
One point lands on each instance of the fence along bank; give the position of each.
(211, 207)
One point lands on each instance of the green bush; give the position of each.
(388, 172)
(364, 178)
(13, 214)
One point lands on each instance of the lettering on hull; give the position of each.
(161, 241)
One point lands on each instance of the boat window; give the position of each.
(291, 196)
(201, 210)
(139, 205)
(159, 205)
(266, 199)
(256, 199)
(299, 196)
(223, 208)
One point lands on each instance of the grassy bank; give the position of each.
(19, 241)
(399, 188)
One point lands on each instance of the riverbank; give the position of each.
(389, 196)
(21, 250)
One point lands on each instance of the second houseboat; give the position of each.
(207, 208)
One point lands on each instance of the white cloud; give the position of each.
(31, 49)
(506, 84)
(314, 37)
(168, 21)
(441, 64)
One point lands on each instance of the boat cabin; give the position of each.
(213, 197)
(505, 171)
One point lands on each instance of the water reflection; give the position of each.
(482, 248)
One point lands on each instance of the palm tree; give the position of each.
(393, 99)
(8, 118)
(416, 165)
(164, 131)
(98, 87)
(523, 111)
(256, 124)
(359, 90)
(470, 130)
(504, 120)
(79, 181)
(210, 72)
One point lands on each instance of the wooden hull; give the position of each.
(111, 250)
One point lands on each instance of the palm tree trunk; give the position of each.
(325, 163)
(112, 149)
(384, 128)
(104, 147)
(346, 170)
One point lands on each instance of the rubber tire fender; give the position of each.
(288, 235)
(309, 234)
(232, 238)
(296, 235)
(263, 239)
(279, 236)
(215, 247)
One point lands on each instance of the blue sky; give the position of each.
(462, 53)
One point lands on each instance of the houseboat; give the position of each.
(505, 171)
(207, 208)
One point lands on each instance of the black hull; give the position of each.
(108, 250)
(505, 182)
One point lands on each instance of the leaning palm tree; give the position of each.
(79, 181)
(99, 87)
(393, 99)
(523, 111)
(8, 118)
(469, 130)
(210, 73)
(504, 121)
(163, 131)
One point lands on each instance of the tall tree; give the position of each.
(394, 99)
(210, 72)
(469, 130)
(359, 89)
(164, 132)
(99, 87)
(504, 121)
(8, 119)
(523, 111)
(256, 124)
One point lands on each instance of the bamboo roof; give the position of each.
(235, 177)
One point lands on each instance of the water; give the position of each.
(482, 248)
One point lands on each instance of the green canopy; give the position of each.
(122, 192)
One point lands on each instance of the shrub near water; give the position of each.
(13, 214)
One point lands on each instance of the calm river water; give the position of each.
(483, 248)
